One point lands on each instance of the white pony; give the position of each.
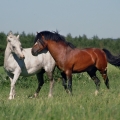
(20, 62)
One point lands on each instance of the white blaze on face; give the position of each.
(18, 52)
(36, 43)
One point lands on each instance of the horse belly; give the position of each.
(30, 71)
(82, 65)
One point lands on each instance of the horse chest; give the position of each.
(60, 66)
(10, 68)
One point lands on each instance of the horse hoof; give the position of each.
(35, 95)
(10, 98)
(96, 92)
(50, 96)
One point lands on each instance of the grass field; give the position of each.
(83, 105)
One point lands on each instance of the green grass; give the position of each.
(83, 105)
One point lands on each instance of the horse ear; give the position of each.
(37, 32)
(18, 36)
(8, 40)
(10, 33)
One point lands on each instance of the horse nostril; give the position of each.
(22, 57)
(33, 53)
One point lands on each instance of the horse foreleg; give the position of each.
(67, 84)
(69, 78)
(40, 82)
(11, 91)
(50, 76)
(64, 80)
(13, 81)
(70, 85)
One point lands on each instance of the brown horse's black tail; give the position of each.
(114, 60)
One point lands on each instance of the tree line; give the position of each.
(27, 41)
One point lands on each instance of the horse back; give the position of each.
(86, 58)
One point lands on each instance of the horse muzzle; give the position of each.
(22, 57)
(34, 53)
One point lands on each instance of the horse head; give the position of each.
(15, 45)
(39, 45)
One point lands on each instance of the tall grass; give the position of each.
(82, 105)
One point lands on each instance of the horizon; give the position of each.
(90, 18)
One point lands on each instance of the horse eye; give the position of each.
(21, 47)
(13, 47)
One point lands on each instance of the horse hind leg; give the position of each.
(105, 77)
(97, 82)
(92, 74)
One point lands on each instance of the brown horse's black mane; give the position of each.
(55, 36)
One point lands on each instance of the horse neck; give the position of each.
(7, 53)
(56, 49)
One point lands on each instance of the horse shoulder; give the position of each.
(12, 67)
(48, 59)
(48, 62)
(31, 61)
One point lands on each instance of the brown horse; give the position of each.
(73, 60)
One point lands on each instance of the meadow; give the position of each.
(83, 105)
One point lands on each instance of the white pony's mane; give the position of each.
(11, 35)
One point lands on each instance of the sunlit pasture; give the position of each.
(83, 105)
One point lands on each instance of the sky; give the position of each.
(77, 17)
